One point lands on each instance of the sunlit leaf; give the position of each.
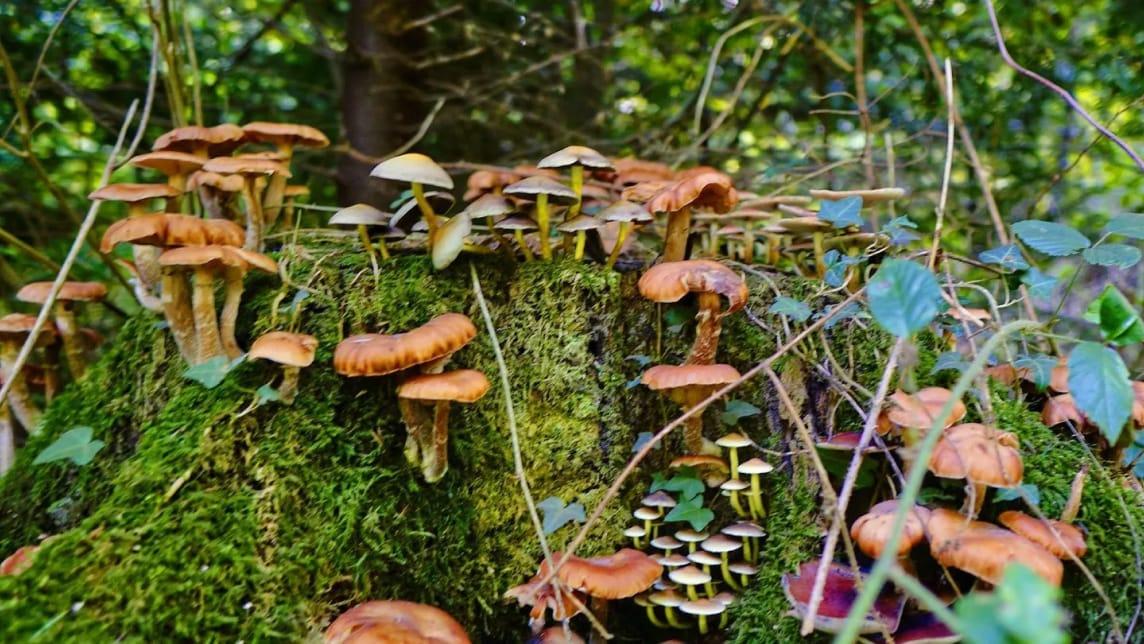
(1128, 224)
(901, 231)
(75, 445)
(1118, 255)
(1118, 319)
(556, 514)
(1051, 238)
(842, 213)
(1008, 257)
(904, 297)
(691, 510)
(1098, 382)
(685, 482)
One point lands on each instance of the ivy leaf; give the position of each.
(842, 213)
(791, 308)
(1039, 284)
(1119, 321)
(836, 266)
(1051, 238)
(266, 394)
(557, 515)
(1023, 608)
(1023, 491)
(950, 361)
(212, 372)
(685, 483)
(1118, 255)
(1008, 257)
(851, 310)
(1098, 382)
(691, 511)
(900, 230)
(640, 360)
(904, 297)
(1129, 225)
(737, 410)
(74, 445)
(643, 438)
(1039, 366)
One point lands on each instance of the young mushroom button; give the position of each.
(440, 389)
(983, 456)
(872, 530)
(291, 350)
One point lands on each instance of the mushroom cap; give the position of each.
(15, 327)
(804, 225)
(919, 410)
(979, 454)
(37, 292)
(771, 201)
(733, 439)
(171, 229)
(449, 240)
(576, 155)
(658, 499)
(530, 187)
(580, 223)
(743, 568)
(689, 576)
(704, 190)
(396, 622)
(220, 182)
(489, 205)
(667, 376)
(359, 214)
(670, 281)
(246, 166)
(643, 192)
(734, 485)
(644, 513)
(213, 257)
(18, 561)
(462, 385)
(838, 598)
(874, 195)
(702, 607)
(984, 550)
(375, 354)
(618, 576)
(487, 181)
(635, 531)
(134, 192)
(516, 222)
(295, 191)
(625, 211)
(672, 561)
(703, 462)
(703, 558)
(666, 542)
(287, 133)
(285, 348)
(721, 543)
(169, 162)
(844, 442)
(1058, 537)
(221, 138)
(687, 535)
(756, 466)
(872, 530)
(413, 167)
(668, 598)
(744, 529)
(1061, 409)
(630, 171)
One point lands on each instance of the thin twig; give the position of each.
(713, 63)
(943, 199)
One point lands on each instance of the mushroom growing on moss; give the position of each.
(872, 530)
(519, 224)
(419, 171)
(284, 137)
(360, 216)
(14, 330)
(705, 190)
(440, 389)
(671, 281)
(985, 550)
(576, 157)
(687, 385)
(291, 350)
(395, 622)
(235, 263)
(579, 227)
(838, 599)
(628, 215)
(66, 324)
(1062, 539)
(702, 609)
(983, 456)
(204, 263)
(545, 191)
(137, 196)
(250, 169)
(428, 346)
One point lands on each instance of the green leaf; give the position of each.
(904, 297)
(791, 308)
(691, 511)
(1039, 284)
(266, 394)
(842, 213)
(737, 410)
(1022, 609)
(1023, 491)
(1119, 321)
(1134, 456)
(1051, 238)
(1039, 366)
(74, 445)
(950, 361)
(640, 360)
(1118, 255)
(1008, 257)
(1098, 382)
(212, 372)
(1129, 225)
(836, 266)
(675, 317)
(557, 515)
(837, 463)
(685, 483)
(900, 230)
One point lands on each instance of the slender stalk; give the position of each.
(426, 211)
(19, 398)
(288, 388)
(7, 440)
(176, 299)
(621, 237)
(542, 223)
(228, 319)
(253, 217)
(524, 249)
(206, 318)
(69, 336)
(581, 240)
(435, 455)
(675, 241)
(363, 234)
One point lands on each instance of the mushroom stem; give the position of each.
(819, 258)
(229, 317)
(7, 440)
(383, 248)
(621, 237)
(70, 338)
(734, 461)
(577, 181)
(502, 242)
(692, 594)
(756, 498)
(288, 389)
(651, 616)
(727, 576)
(542, 224)
(702, 624)
(708, 325)
(435, 456)
(416, 426)
(737, 504)
(177, 309)
(1076, 491)
(748, 244)
(51, 371)
(147, 263)
(675, 240)
(581, 240)
(671, 618)
(363, 234)
(975, 499)
(693, 434)
(19, 398)
(206, 318)
(253, 217)
(426, 210)
(276, 191)
(523, 245)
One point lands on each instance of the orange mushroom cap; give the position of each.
(919, 410)
(219, 138)
(285, 348)
(670, 281)
(37, 292)
(706, 190)
(872, 530)
(245, 166)
(395, 622)
(169, 229)
(984, 550)
(133, 192)
(1061, 409)
(979, 454)
(623, 574)
(1058, 537)
(375, 354)
(285, 133)
(169, 162)
(462, 385)
(666, 376)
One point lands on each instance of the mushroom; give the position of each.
(628, 215)
(215, 191)
(361, 215)
(1061, 409)
(14, 330)
(420, 171)
(576, 157)
(732, 487)
(19, 561)
(872, 530)
(485, 182)
(176, 166)
(670, 600)
(201, 141)
(745, 572)
(545, 191)
(291, 194)
(648, 516)
(750, 533)
(688, 385)
(519, 224)
(800, 225)
(630, 171)
(755, 468)
(635, 533)
(291, 350)
(691, 577)
(983, 456)
(464, 386)
(733, 441)
(912, 415)
(704, 608)
(671, 281)
(70, 293)
(7, 435)
(250, 169)
(579, 226)
(838, 597)
(709, 190)
(704, 560)
(489, 207)
(395, 621)
(692, 538)
(137, 196)
(984, 550)
(666, 543)
(235, 264)
(1063, 540)
(450, 240)
(723, 545)
(204, 262)
(542, 597)
(285, 137)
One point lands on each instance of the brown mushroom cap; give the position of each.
(706, 190)
(919, 410)
(516, 222)
(489, 206)
(486, 181)
(874, 195)
(222, 182)
(37, 292)
(15, 327)
(670, 281)
(1058, 537)
(285, 133)
(217, 257)
(580, 223)
(375, 354)
(643, 192)
(285, 348)
(245, 166)
(168, 162)
(413, 168)
(1062, 409)
(625, 211)
(872, 530)
(534, 186)
(631, 171)
(984, 550)
(804, 225)
(169, 229)
(979, 454)
(133, 192)
(461, 385)
(617, 576)
(666, 376)
(576, 155)
(395, 622)
(360, 214)
(219, 138)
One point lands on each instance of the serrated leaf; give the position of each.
(1128, 224)
(212, 372)
(791, 308)
(556, 514)
(1051, 238)
(842, 213)
(1118, 255)
(1039, 284)
(1098, 382)
(1039, 367)
(1008, 257)
(737, 410)
(691, 511)
(266, 394)
(950, 361)
(1119, 321)
(1023, 608)
(1024, 491)
(75, 445)
(904, 297)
